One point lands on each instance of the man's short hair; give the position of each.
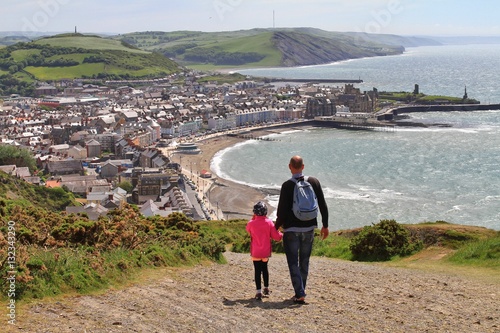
(296, 162)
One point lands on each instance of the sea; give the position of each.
(411, 175)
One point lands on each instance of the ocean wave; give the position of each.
(218, 159)
(352, 195)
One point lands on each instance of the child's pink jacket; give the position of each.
(261, 230)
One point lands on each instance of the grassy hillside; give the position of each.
(58, 253)
(71, 56)
(148, 54)
(9, 40)
(267, 47)
(87, 42)
(17, 192)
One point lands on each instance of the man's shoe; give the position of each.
(299, 300)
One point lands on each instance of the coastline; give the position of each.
(233, 200)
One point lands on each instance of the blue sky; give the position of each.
(401, 17)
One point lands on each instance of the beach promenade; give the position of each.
(224, 199)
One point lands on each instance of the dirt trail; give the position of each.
(342, 297)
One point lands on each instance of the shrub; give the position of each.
(382, 241)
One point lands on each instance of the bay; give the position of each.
(411, 175)
(438, 70)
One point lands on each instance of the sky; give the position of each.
(400, 17)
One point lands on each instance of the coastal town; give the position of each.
(92, 138)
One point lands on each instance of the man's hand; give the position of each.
(324, 233)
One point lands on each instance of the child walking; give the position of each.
(261, 230)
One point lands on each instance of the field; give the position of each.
(92, 43)
(77, 56)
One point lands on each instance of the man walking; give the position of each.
(298, 235)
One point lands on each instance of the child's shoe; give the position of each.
(258, 296)
(266, 291)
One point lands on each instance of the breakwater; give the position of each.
(355, 125)
(316, 80)
(249, 136)
(445, 107)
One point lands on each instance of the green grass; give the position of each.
(55, 276)
(84, 269)
(334, 246)
(484, 253)
(57, 73)
(259, 43)
(231, 231)
(472, 246)
(202, 39)
(75, 56)
(20, 55)
(17, 192)
(223, 78)
(438, 97)
(22, 76)
(116, 59)
(79, 270)
(91, 43)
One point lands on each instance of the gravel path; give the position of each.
(342, 297)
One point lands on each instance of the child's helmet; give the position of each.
(260, 209)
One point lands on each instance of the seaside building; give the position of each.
(124, 122)
(319, 106)
(188, 148)
(254, 116)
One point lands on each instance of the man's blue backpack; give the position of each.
(305, 203)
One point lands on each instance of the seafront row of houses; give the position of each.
(89, 138)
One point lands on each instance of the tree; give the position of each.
(126, 185)
(20, 157)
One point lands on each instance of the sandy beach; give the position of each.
(235, 201)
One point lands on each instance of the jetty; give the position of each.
(440, 107)
(249, 136)
(360, 121)
(316, 80)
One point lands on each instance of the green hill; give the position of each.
(71, 56)
(267, 47)
(153, 54)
